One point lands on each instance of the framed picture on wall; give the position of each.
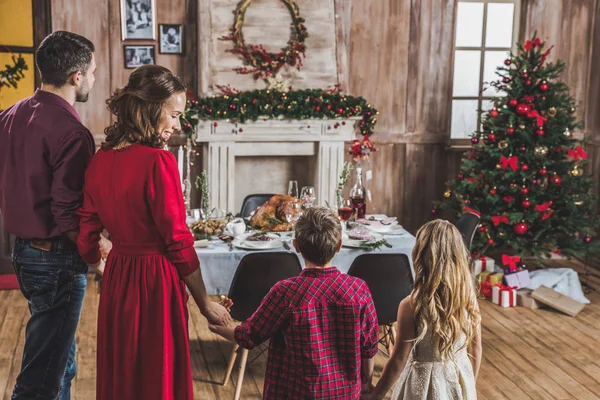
(136, 56)
(171, 39)
(138, 19)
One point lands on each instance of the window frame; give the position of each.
(463, 143)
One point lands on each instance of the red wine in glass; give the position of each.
(345, 213)
(358, 203)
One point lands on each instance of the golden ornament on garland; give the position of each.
(447, 193)
(576, 172)
(552, 112)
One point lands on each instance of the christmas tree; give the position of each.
(524, 173)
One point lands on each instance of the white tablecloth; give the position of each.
(218, 264)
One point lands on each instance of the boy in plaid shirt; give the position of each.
(322, 323)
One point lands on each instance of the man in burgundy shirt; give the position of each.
(44, 151)
(322, 324)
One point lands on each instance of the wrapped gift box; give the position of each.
(524, 299)
(483, 264)
(504, 296)
(488, 280)
(520, 279)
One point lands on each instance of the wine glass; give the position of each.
(293, 189)
(293, 211)
(345, 211)
(308, 195)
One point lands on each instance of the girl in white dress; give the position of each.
(437, 352)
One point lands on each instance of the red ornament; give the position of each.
(494, 113)
(556, 180)
(460, 177)
(534, 181)
(513, 102)
(253, 101)
(215, 124)
(544, 86)
(543, 171)
(524, 190)
(540, 131)
(434, 211)
(587, 240)
(528, 82)
(507, 61)
(328, 106)
(526, 203)
(508, 199)
(340, 110)
(482, 228)
(524, 75)
(318, 108)
(522, 149)
(522, 109)
(209, 111)
(506, 79)
(241, 130)
(521, 228)
(490, 241)
(493, 191)
(492, 136)
(524, 167)
(474, 140)
(543, 98)
(510, 130)
(187, 126)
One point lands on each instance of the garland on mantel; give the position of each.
(241, 107)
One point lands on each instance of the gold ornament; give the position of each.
(572, 110)
(502, 144)
(576, 171)
(447, 193)
(567, 133)
(578, 203)
(552, 112)
(498, 166)
(540, 151)
(521, 126)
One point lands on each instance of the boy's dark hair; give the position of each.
(61, 54)
(318, 235)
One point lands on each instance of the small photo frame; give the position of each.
(136, 56)
(138, 19)
(171, 39)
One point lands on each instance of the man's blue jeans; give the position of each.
(53, 282)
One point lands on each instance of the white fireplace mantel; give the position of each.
(223, 141)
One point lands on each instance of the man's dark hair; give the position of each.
(61, 54)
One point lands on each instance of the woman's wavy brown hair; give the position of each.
(444, 297)
(139, 105)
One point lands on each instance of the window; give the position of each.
(486, 31)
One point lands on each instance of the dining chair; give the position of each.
(390, 280)
(252, 202)
(467, 225)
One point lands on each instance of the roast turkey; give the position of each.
(271, 216)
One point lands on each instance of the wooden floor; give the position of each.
(527, 354)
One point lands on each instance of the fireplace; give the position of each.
(262, 156)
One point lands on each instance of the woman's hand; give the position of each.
(99, 267)
(216, 314)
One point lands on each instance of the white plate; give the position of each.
(347, 242)
(386, 229)
(241, 243)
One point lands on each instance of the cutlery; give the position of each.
(287, 246)
(230, 244)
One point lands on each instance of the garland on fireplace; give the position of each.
(265, 104)
(260, 62)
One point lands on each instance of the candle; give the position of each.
(180, 163)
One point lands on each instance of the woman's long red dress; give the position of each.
(143, 349)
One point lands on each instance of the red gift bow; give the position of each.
(540, 119)
(578, 153)
(498, 219)
(468, 209)
(510, 261)
(545, 208)
(509, 289)
(529, 44)
(509, 162)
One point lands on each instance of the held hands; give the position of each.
(105, 246)
(99, 267)
(218, 313)
(366, 391)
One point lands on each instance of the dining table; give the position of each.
(219, 260)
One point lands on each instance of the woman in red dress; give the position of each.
(132, 189)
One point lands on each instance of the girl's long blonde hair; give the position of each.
(444, 298)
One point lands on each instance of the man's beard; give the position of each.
(83, 94)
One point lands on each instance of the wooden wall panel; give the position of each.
(89, 19)
(567, 25)
(593, 94)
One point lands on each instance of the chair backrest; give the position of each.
(252, 202)
(389, 278)
(255, 276)
(467, 225)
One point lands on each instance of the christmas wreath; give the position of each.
(259, 61)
